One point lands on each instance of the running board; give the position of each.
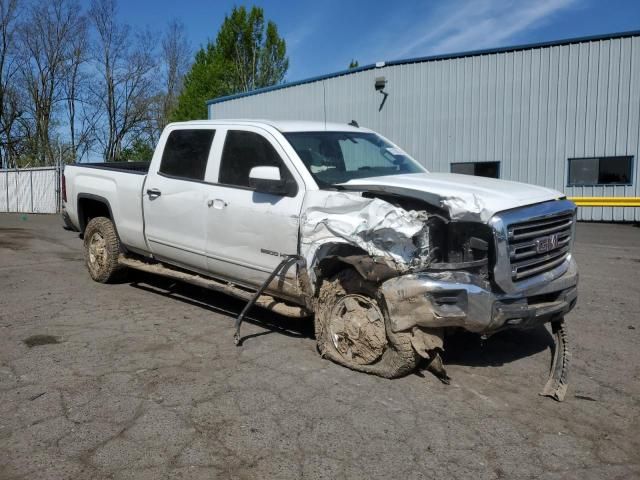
(264, 301)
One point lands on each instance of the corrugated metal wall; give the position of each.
(529, 109)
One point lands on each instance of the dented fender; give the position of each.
(391, 239)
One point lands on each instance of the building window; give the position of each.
(479, 169)
(600, 171)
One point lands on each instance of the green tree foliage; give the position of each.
(353, 64)
(139, 151)
(244, 56)
(201, 83)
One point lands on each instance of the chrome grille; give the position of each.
(539, 245)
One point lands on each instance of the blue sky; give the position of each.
(323, 36)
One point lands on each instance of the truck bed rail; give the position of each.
(140, 168)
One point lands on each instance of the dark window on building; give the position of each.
(479, 169)
(185, 154)
(243, 151)
(600, 171)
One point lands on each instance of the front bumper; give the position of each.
(460, 299)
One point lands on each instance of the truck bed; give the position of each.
(118, 185)
(140, 168)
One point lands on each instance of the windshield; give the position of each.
(337, 157)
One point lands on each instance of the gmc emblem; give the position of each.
(545, 244)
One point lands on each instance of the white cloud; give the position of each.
(470, 25)
(298, 35)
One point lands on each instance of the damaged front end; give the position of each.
(436, 273)
(461, 299)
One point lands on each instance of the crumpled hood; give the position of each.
(465, 197)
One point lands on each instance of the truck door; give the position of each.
(249, 231)
(175, 199)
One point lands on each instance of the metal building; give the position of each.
(561, 114)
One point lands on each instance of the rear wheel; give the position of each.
(352, 328)
(101, 250)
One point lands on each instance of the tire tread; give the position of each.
(113, 270)
(399, 358)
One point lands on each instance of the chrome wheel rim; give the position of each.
(357, 329)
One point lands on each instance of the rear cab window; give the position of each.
(186, 153)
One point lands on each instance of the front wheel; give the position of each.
(101, 250)
(352, 328)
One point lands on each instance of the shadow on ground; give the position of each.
(461, 348)
(223, 304)
(464, 348)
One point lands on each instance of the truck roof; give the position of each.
(281, 125)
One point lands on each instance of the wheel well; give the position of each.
(329, 267)
(89, 208)
(337, 257)
(331, 258)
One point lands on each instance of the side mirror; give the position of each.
(267, 180)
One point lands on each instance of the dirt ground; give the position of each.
(143, 380)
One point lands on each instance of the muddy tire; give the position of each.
(352, 328)
(101, 250)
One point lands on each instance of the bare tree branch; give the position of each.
(125, 62)
(11, 106)
(46, 36)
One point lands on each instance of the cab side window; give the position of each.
(244, 150)
(185, 154)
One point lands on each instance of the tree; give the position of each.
(202, 83)
(72, 79)
(80, 124)
(11, 105)
(139, 151)
(175, 54)
(243, 57)
(353, 64)
(125, 65)
(46, 36)
(253, 59)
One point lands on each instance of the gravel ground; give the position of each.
(145, 382)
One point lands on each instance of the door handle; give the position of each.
(153, 192)
(217, 203)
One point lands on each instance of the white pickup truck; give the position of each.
(336, 222)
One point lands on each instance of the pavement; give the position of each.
(142, 380)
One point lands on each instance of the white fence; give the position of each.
(30, 190)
